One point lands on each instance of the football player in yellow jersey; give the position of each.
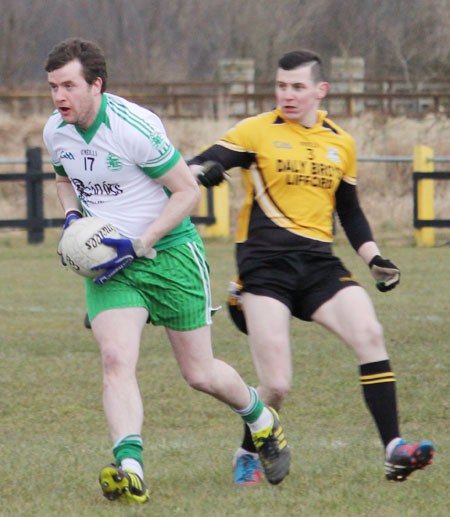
(299, 167)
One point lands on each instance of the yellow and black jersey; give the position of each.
(291, 175)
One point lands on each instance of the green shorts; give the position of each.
(174, 287)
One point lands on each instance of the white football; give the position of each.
(82, 247)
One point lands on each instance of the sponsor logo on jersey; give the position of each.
(113, 162)
(66, 155)
(333, 155)
(85, 191)
(304, 172)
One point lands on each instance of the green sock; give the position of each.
(253, 411)
(128, 447)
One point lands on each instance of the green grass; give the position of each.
(54, 439)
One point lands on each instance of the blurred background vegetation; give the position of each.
(183, 40)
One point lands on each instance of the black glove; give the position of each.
(386, 274)
(212, 174)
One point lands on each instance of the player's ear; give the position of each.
(97, 84)
(322, 90)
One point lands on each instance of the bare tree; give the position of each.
(181, 40)
(22, 25)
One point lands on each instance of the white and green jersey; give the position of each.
(113, 164)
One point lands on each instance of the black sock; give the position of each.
(247, 442)
(378, 383)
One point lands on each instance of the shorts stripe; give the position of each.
(203, 271)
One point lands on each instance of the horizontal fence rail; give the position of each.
(427, 223)
(215, 99)
(35, 222)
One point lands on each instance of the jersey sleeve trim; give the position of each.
(159, 170)
(350, 180)
(59, 169)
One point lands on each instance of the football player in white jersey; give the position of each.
(114, 160)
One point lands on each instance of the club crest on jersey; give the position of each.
(333, 155)
(160, 143)
(113, 162)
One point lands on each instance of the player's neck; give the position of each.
(91, 116)
(309, 120)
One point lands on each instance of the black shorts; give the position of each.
(302, 281)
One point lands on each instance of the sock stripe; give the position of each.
(253, 411)
(130, 438)
(377, 378)
(129, 446)
(378, 382)
(253, 403)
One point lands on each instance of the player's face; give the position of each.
(298, 96)
(76, 100)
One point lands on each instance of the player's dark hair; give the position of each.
(88, 53)
(298, 58)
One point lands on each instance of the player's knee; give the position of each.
(374, 334)
(369, 343)
(199, 381)
(201, 384)
(275, 392)
(114, 364)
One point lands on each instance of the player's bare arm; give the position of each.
(66, 194)
(185, 196)
(368, 250)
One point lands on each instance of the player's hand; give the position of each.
(127, 251)
(386, 274)
(71, 217)
(212, 174)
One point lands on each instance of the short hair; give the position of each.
(88, 53)
(298, 58)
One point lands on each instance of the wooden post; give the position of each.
(221, 205)
(35, 195)
(425, 194)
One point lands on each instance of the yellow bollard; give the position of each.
(425, 194)
(221, 198)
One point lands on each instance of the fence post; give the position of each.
(35, 195)
(221, 195)
(425, 194)
(221, 204)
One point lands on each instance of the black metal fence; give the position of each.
(428, 223)
(35, 222)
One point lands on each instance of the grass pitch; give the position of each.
(53, 435)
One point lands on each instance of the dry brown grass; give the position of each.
(385, 189)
